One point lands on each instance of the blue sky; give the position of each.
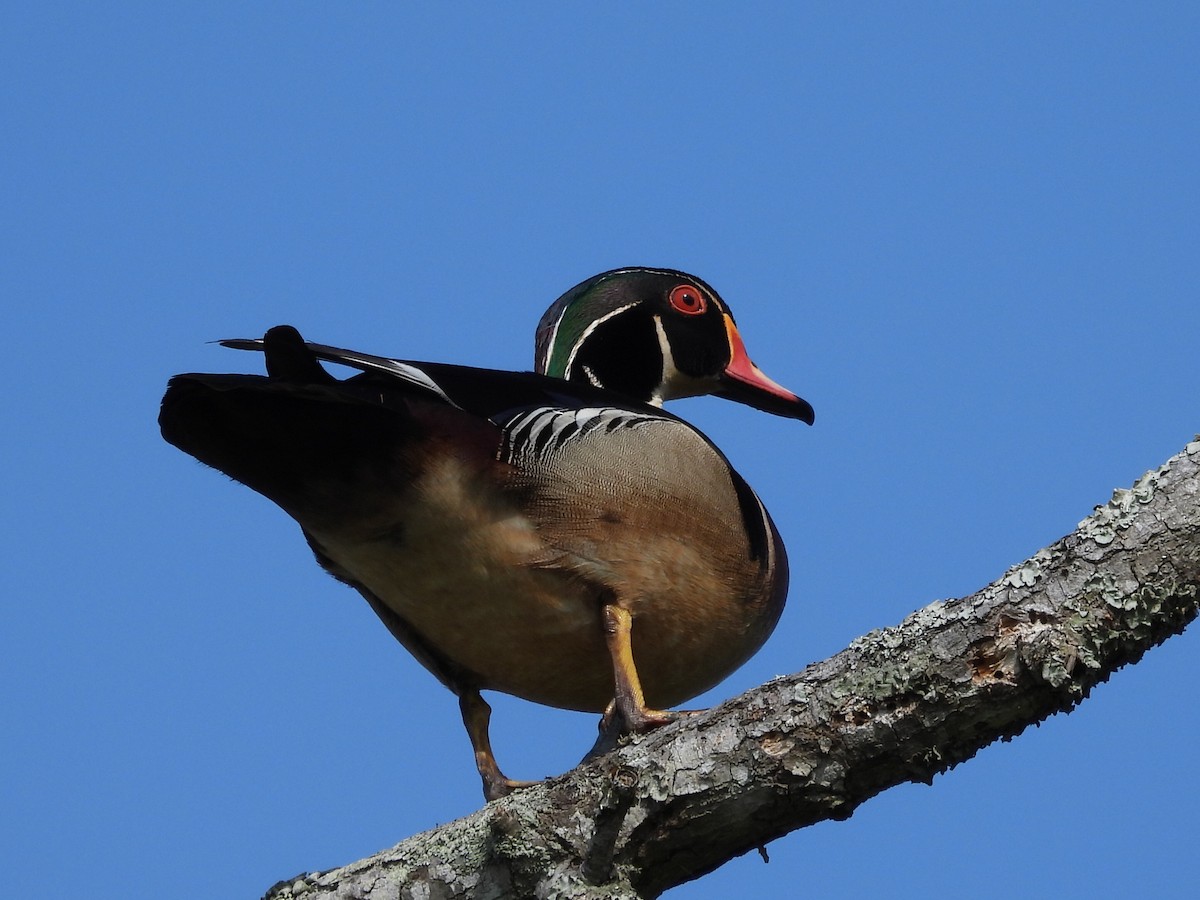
(967, 233)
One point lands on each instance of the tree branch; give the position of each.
(899, 704)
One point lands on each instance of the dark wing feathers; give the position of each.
(280, 438)
(281, 433)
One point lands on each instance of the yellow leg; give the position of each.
(476, 714)
(630, 703)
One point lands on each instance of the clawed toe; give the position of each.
(501, 786)
(614, 725)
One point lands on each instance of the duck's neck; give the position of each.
(623, 355)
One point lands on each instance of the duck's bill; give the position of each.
(745, 382)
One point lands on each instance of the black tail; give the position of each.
(299, 436)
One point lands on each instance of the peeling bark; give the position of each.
(899, 704)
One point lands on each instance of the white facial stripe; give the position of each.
(651, 271)
(708, 292)
(669, 372)
(587, 333)
(544, 364)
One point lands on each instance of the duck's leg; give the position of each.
(474, 709)
(476, 714)
(629, 703)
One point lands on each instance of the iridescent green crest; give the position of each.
(571, 318)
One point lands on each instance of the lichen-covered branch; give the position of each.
(899, 704)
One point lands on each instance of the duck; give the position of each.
(555, 535)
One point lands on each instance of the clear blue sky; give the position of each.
(967, 233)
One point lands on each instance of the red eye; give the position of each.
(688, 300)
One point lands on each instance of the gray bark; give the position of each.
(899, 704)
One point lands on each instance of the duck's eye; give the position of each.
(688, 300)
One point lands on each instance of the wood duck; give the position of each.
(553, 535)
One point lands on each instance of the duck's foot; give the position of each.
(628, 713)
(476, 715)
(614, 726)
(497, 785)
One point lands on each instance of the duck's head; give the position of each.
(655, 335)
